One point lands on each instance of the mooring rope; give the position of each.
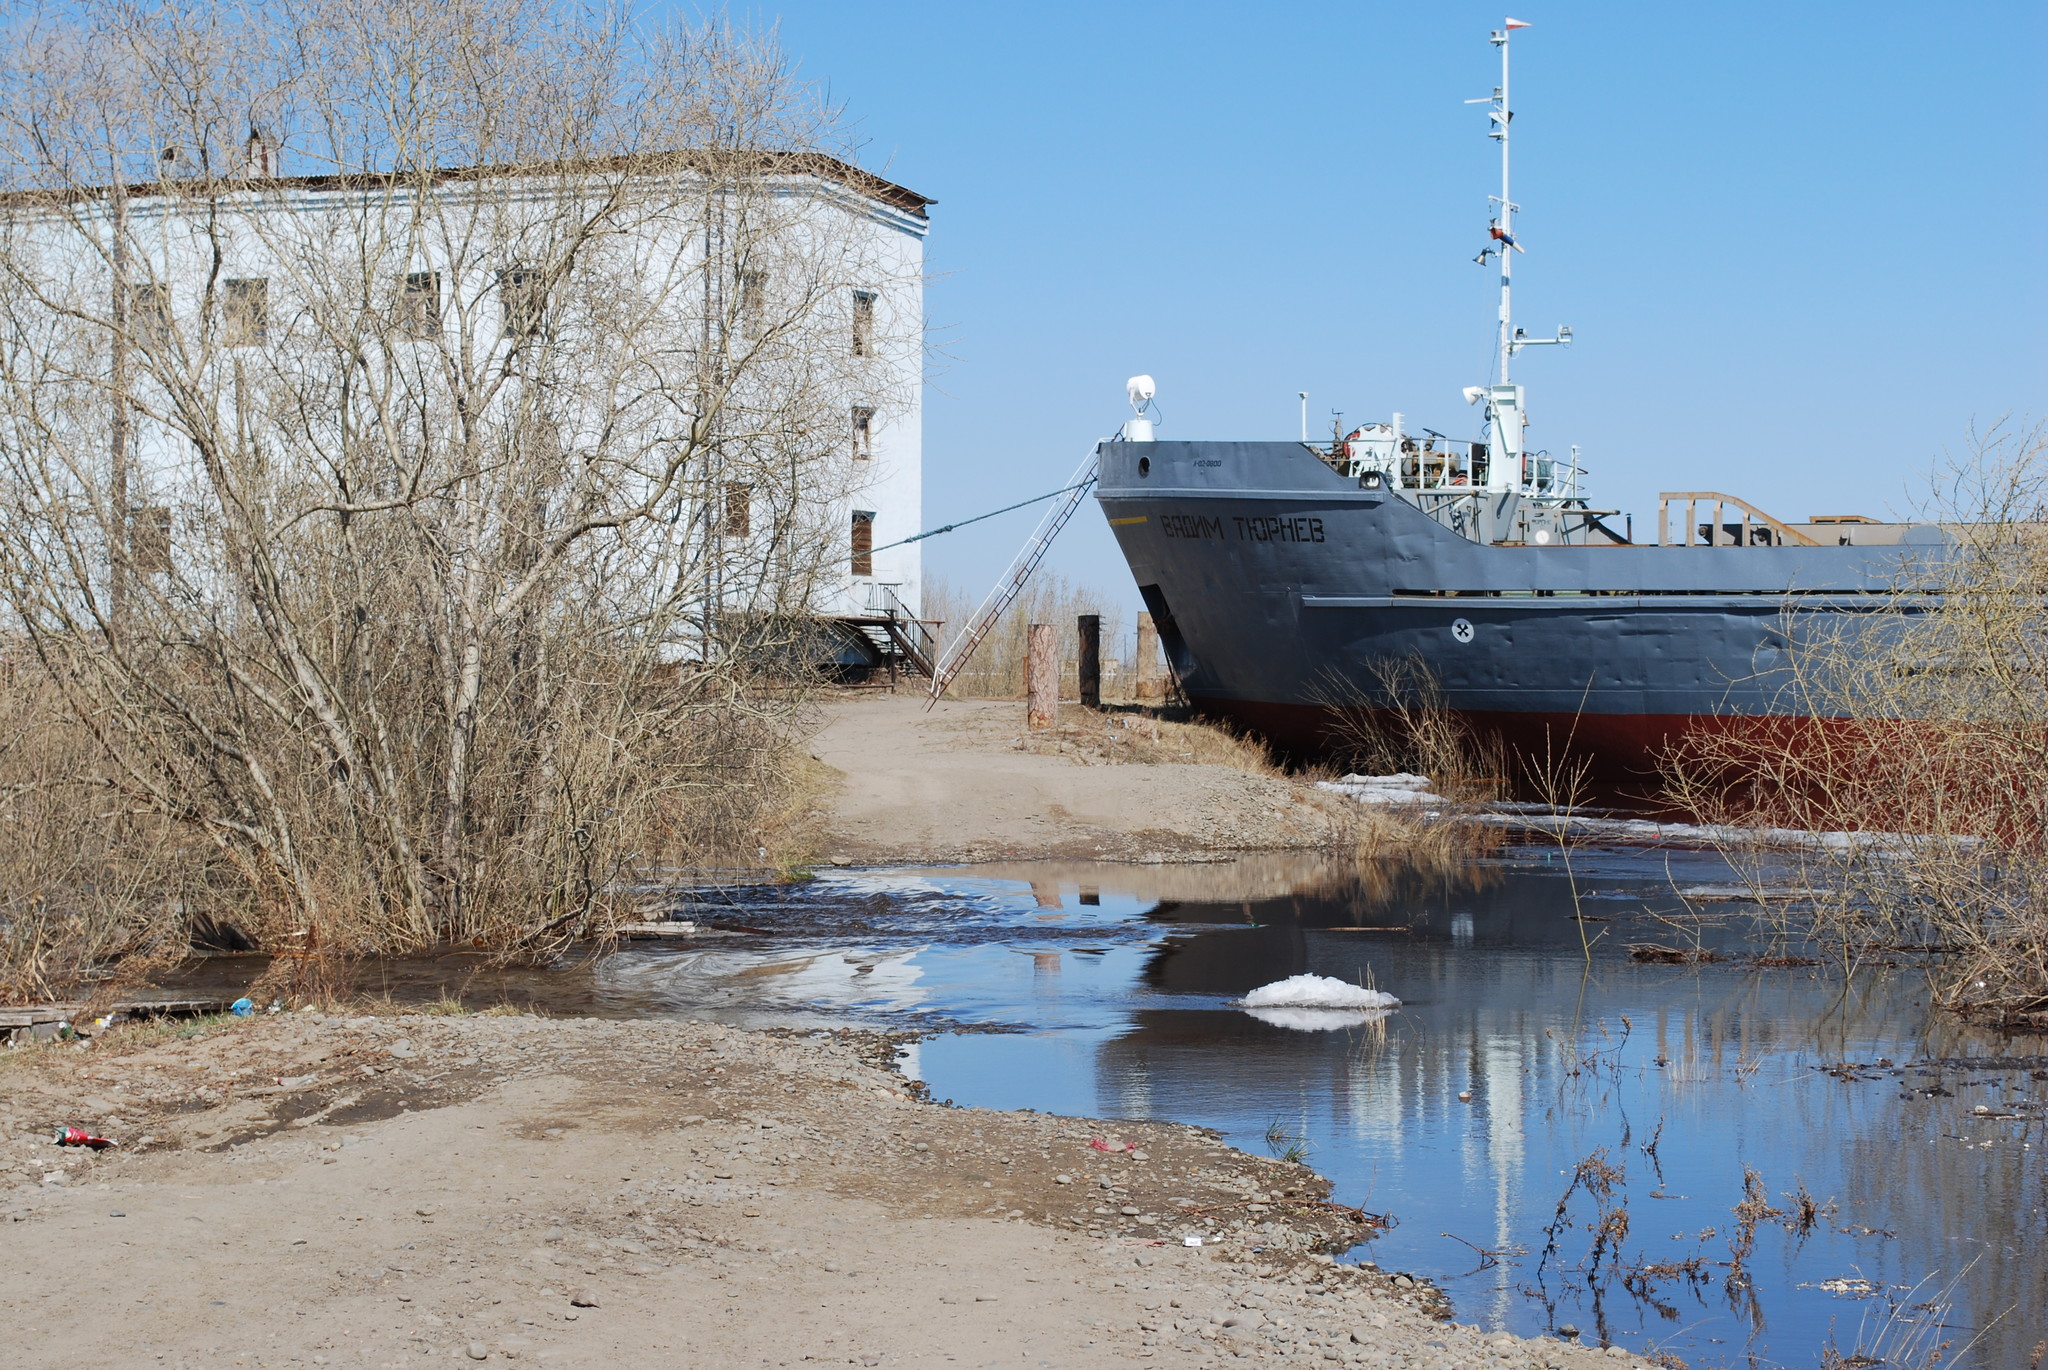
(1008, 508)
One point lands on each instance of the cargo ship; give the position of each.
(1281, 575)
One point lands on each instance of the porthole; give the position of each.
(1144, 466)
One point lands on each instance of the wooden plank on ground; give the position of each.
(30, 1015)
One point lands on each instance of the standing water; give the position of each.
(1737, 1161)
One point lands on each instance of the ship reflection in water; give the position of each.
(1519, 1052)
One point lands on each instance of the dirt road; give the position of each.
(964, 782)
(388, 1192)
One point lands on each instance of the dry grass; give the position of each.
(1397, 720)
(997, 670)
(1411, 838)
(1132, 735)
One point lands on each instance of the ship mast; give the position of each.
(1504, 225)
(1504, 398)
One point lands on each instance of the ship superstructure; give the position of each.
(1281, 575)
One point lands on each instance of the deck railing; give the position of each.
(1720, 531)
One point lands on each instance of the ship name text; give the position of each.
(1248, 527)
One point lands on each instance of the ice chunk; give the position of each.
(1401, 788)
(1317, 991)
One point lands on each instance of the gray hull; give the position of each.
(1278, 584)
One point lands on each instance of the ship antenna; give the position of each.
(1503, 227)
(1504, 400)
(1504, 115)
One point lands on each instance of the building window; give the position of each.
(523, 296)
(739, 510)
(149, 313)
(419, 305)
(863, 542)
(149, 540)
(863, 433)
(245, 312)
(753, 303)
(863, 323)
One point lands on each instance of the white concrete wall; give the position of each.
(893, 487)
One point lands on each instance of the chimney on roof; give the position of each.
(259, 156)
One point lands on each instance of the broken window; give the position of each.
(419, 305)
(739, 510)
(149, 313)
(863, 323)
(523, 295)
(245, 312)
(863, 432)
(863, 542)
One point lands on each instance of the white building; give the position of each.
(743, 341)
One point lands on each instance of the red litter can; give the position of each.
(78, 1136)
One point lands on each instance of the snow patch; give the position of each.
(1316, 1019)
(1316, 991)
(1401, 788)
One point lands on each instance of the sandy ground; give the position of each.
(309, 1190)
(963, 783)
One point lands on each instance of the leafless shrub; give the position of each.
(1753, 1208)
(1396, 720)
(1806, 1211)
(85, 889)
(1926, 766)
(1602, 1182)
(370, 540)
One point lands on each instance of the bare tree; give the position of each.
(1928, 744)
(406, 533)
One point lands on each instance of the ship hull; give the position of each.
(1281, 588)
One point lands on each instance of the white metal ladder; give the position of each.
(1012, 584)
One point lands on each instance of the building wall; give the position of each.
(272, 232)
(893, 486)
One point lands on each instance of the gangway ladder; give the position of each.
(1011, 585)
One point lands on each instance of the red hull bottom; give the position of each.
(1623, 751)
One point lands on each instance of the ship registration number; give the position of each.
(1248, 527)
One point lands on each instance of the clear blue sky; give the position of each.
(1801, 245)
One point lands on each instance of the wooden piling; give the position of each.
(1042, 697)
(1149, 685)
(1090, 660)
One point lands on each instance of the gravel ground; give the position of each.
(964, 782)
(305, 1189)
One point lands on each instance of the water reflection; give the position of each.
(1528, 1042)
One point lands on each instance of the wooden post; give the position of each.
(1042, 669)
(1090, 668)
(1149, 686)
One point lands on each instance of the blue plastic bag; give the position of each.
(242, 1008)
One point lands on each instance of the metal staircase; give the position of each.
(899, 637)
(1012, 584)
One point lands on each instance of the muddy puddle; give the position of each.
(1732, 1162)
